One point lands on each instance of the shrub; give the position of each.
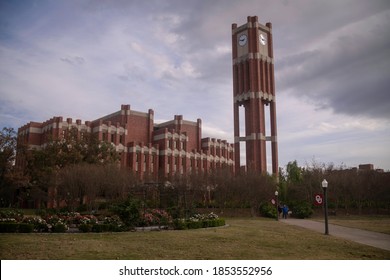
(217, 222)
(154, 217)
(25, 228)
(101, 227)
(115, 224)
(302, 210)
(85, 227)
(59, 227)
(268, 210)
(86, 219)
(11, 214)
(128, 212)
(199, 221)
(179, 224)
(194, 224)
(39, 224)
(9, 227)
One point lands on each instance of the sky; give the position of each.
(83, 59)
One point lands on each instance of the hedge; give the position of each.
(11, 227)
(188, 224)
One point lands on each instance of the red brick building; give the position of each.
(146, 148)
(254, 90)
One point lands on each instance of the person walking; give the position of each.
(280, 209)
(285, 211)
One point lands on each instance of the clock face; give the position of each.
(242, 40)
(263, 39)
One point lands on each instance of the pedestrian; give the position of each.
(280, 209)
(285, 211)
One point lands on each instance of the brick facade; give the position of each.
(254, 88)
(146, 148)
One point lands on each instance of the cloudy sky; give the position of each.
(83, 59)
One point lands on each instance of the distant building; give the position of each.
(146, 148)
(368, 166)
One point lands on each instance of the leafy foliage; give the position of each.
(128, 211)
(268, 210)
(7, 151)
(301, 209)
(199, 221)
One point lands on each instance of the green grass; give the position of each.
(242, 239)
(372, 223)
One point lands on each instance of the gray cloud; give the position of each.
(73, 60)
(166, 54)
(348, 73)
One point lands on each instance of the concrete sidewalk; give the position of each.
(375, 239)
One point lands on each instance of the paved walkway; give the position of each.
(375, 239)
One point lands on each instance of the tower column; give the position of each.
(254, 87)
(274, 139)
(236, 138)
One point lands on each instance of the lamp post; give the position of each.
(325, 187)
(277, 205)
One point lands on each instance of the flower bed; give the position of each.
(13, 221)
(156, 217)
(199, 221)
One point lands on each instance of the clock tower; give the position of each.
(254, 89)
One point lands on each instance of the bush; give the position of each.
(199, 221)
(9, 227)
(155, 217)
(268, 210)
(59, 227)
(25, 228)
(128, 212)
(11, 214)
(302, 210)
(12, 227)
(39, 225)
(101, 227)
(217, 222)
(85, 227)
(179, 224)
(115, 224)
(194, 224)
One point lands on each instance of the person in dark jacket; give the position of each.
(285, 211)
(280, 209)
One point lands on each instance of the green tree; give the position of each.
(294, 173)
(7, 152)
(45, 164)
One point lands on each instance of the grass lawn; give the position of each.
(371, 223)
(243, 239)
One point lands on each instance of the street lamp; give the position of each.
(325, 187)
(277, 205)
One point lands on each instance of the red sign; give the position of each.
(273, 201)
(318, 199)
